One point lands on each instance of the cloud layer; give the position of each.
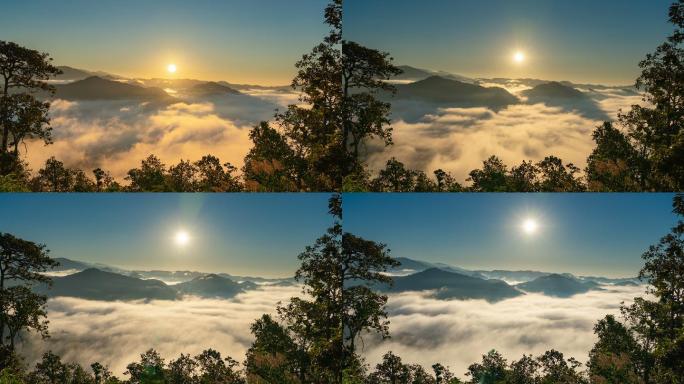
(116, 333)
(117, 135)
(459, 139)
(457, 333)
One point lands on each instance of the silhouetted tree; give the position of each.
(305, 152)
(212, 177)
(149, 370)
(615, 358)
(150, 177)
(658, 325)
(365, 72)
(655, 160)
(21, 115)
(274, 357)
(270, 163)
(614, 165)
(21, 310)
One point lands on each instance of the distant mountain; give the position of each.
(415, 74)
(72, 74)
(558, 285)
(554, 90)
(95, 284)
(463, 271)
(568, 98)
(411, 265)
(615, 281)
(67, 265)
(169, 277)
(97, 88)
(447, 92)
(211, 89)
(242, 87)
(450, 285)
(210, 286)
(626, 284)
(517, 276)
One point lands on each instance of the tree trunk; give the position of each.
(3, 119)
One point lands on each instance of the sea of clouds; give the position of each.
(457, 333)
(115, 333)
(459, 139)
(117, 135)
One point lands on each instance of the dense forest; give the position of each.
(319, 144)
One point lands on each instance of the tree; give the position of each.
(613, 359)
(491, 178)
(214, 369)
(390, 371)
(213, 178)
(557, 370)
(492, 370)
(614, 165)
(150, 177)
(556, 177)
(274, 356)
(304, 151)
(316, 323)
(364, 263)
(21, 264)
(270, 163)
(150, 369)
(658, 325)
(21, 115)
(655, 131)
(181, 177)
(364, 74)
(395, 178)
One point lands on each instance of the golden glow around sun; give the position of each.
(530, 226)
(181, 238)
(519, 57)
(171, 68)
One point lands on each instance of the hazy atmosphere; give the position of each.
(240, 234)
(518, 80)
(602, 234)
(177, 273)
(243, 41)
(516, 273)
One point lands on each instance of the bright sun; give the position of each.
(182, 238)
(519, 57)
(530, 226)
(171, 68)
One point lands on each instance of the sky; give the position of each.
(584, 234)
(241, 41)
(240, 234)
(581, 40)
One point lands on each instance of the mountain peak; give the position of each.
(98, 88)
(213, 88)
(554, 89)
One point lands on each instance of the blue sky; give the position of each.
(580, 40)
(602, 234)
(254, 41)
(254, 234)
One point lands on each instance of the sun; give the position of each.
(530, 226)
(182, 238)
(519, 57)
(171, 68)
